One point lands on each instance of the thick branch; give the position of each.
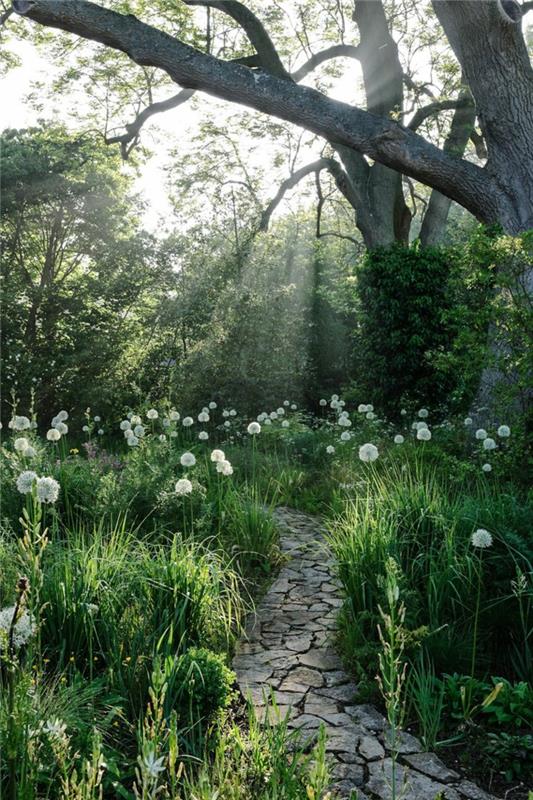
(290, 183)
(335, 51)
(381, 139)
(254, 29)
(434, 108)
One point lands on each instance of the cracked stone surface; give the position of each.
(287, 666)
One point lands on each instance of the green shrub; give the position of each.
(200, 685)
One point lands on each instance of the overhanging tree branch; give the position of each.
(335, 51)
(381, 139)
(290, 183)
(434, 108)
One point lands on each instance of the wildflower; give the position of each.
(21, 444)
(254, 428)
(153, 765)
(423, 434)
(285, 423)
(322, 402)
(97, 418)
(481, 538)
(227, 424)
(345, 422)
(85, 429)
(361, 408)
(268, 421)
(133, 440)
(423, 413)
(55, 729)
(60, 426)
(53, 435)
(481, 434)
(335, 398)
(273, 415)
(125, 425)
(183, 486)
(403, 412)
(20, 423)
(174, 415)
(203, 416)
(225, 413)
(370, 415)
(135, 419)
(24, 627)
(280, 411)
(173, 434)
(468, 421)
(489, 444)
(187, 422)
(187, 460)
(217, 455)
(203, 436)
(62, 416)
(152, 413)
(225, 467)
(29, 452)
(232, 412)
(487, 467)
(504, 431)
(100, 431)
(369, 407)
(47, 490)
(162, 437)
(368, 452)
(212, 405)
(398, 439)
(346, 436)
(330, 449)
(92, 608)
(139, 431)
(25, 481)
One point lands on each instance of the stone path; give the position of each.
(287, 657)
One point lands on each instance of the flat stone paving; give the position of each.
(287, 657)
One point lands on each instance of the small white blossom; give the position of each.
(370, 415)
(212, 405)
(21, 444)
(25, 481)
(227, 424)
(203, 416)
(398, 439)
(273, 415)
(423, 413)
(330, 449)
(232, 412)
(280, 411)
(504, 431)
(368, 452)
(423, 434)
(100, 431)
(162, 437)
(135, 419)
(268, 421)
(125, 425)
(346, 436)
(152, 413)
(481, 434)
(187, 422)
(224, 467)
(217, 455)
(254, 428)
(203, 436)
(97, 418)
(487, 467)
(468, 421)
(133, 440)
(345, 422)
(174, 415)
(47, 490)
(62, 416)
(29, 452)
(85, 429)
(24, 627)
(322, 402)
(139, 431)
(361, 408)
(183, 486)
(53, 435)
(153, 766)
(55, 729)
(20, 423)
(403, 412)
(489, 444)
(285, 423)
(187, 460)
(481, 538)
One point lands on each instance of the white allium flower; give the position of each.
(261, 417)
(481, 434)
(254, 428)
(153, 766)
(183, 486)
(285, 423)
(335, 397)
(227, 424)
(47, 490)
(53, 435)
(487, 467)
(61, 427)
(187, 460)
(334, 404)
(203, 436)
(20, 423)
(370, 407)
(128, 433)
(97, 418)
(92, 608)
(136, 419)
(139, 431)
(342, 403)
(293, 406)
(25, 481)
(361, 408)
(24, 626)
(212, 405)
(62, 416)
(286, 402)
(162, 437)
(232, 413)
(133, 441)
(330, 449)
(504, 431)
(481, 538)
(268, 421)
(225, 413)
(125, 425)
(345, 422)
(152, 414)
(85, 429)
(468, 421)
(403, 412)
(273, 415)
(489, 444)
(398, 439)
(368, 452)
(370, 415)
(322, 402)
(203, 416)
(21, 444)
(217, 455)
(173, 434)
(423, 434)
(225, 467)
(346, 436)
(187, 422)
(174, 415)
(280, 411)
(29, 452)
(100, 431)
(423, 413)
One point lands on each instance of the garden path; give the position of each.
(287, 655)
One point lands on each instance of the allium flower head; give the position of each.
(29, 452)
(187, 422)
(273, 415)
(24, 626)
(268, 421)
(47, 490)
(285, 423)
(370, 415)
(203, 436)
(489, 444)
(403, 412)
(85, 429)
(162, 437)
(468, 421)
(125, 425)
(481, 434)
(25, 481)
(254, 428)
(187, 460)
(217, 455)
(61, 427)
(62, 416)
(504, 431)
(20, 423)
(135, 419)
(174, 415)
(133, 440)
(232, 412)
(345, 422)
(152, 413)
(487, 467)
(53, 435)
(423, 413)
(100, 431)
(224, 467)
(346, 436)
(21, 444)
(212, 405)
(368, 452)
(183, 486)
(423, 434)
(203, 416)
(330, 449)
(481, 538)
(322, 402)
(398, 439)
(139, 431)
